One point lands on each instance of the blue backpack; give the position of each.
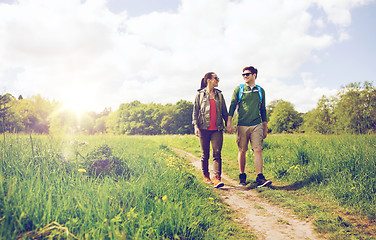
(241, 90)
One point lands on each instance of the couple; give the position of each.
(210, 110)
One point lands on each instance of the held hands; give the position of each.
(230, 128)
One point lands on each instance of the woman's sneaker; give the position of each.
(261, 181)
(242, 179)
(217, 182)
(207, 178)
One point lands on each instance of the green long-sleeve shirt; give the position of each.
(251, 111)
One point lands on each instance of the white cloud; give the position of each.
(303, 96)
(79, 51)
(338, 11)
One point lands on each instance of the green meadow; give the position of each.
(135, 187)
(330, 179)
(103, 187)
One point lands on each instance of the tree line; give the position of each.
(352, 110)
(38, 115)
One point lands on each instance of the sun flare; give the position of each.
(78, 100)
(76, 106)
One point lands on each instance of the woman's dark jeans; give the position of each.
(216, 139)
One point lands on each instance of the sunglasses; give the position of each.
(216, 78)
(246, 74)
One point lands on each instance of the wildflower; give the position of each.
(164, 198)
(82, 170)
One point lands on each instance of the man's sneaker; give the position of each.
(261, 181)
(217, 182)
(207, 178)
(242, 179)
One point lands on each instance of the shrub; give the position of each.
(102, 162)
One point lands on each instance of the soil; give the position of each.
(264, 219)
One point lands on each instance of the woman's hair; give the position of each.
(204, 81)
(251, 69)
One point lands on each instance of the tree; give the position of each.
(284, 118)
(356, 108)
(168, 122)
(35, 112)
(271, 106)
(100, 125)
(183, 117)
(112, 123)
(63, 121)
(5, 106)
(151, 119)
(321, 119)
(86, 122)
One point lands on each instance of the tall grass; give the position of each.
(47, 190)
(341, 168)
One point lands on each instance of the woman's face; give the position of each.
(214, 80)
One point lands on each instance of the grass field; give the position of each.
(331, 179)
(111, 187)
(103, 187)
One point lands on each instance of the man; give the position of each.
(252, 123)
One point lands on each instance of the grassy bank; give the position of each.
(103, 187)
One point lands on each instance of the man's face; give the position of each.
(248, 76)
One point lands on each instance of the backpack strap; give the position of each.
(241, 90)
(259, 91)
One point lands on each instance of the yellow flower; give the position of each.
(82, 170)
(164, 198)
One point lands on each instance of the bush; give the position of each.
(102, 162)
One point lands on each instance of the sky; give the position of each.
(93, 54)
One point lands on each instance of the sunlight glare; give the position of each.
(78, 101)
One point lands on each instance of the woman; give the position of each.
(209, 111)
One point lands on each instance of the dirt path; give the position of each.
(263, 218)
